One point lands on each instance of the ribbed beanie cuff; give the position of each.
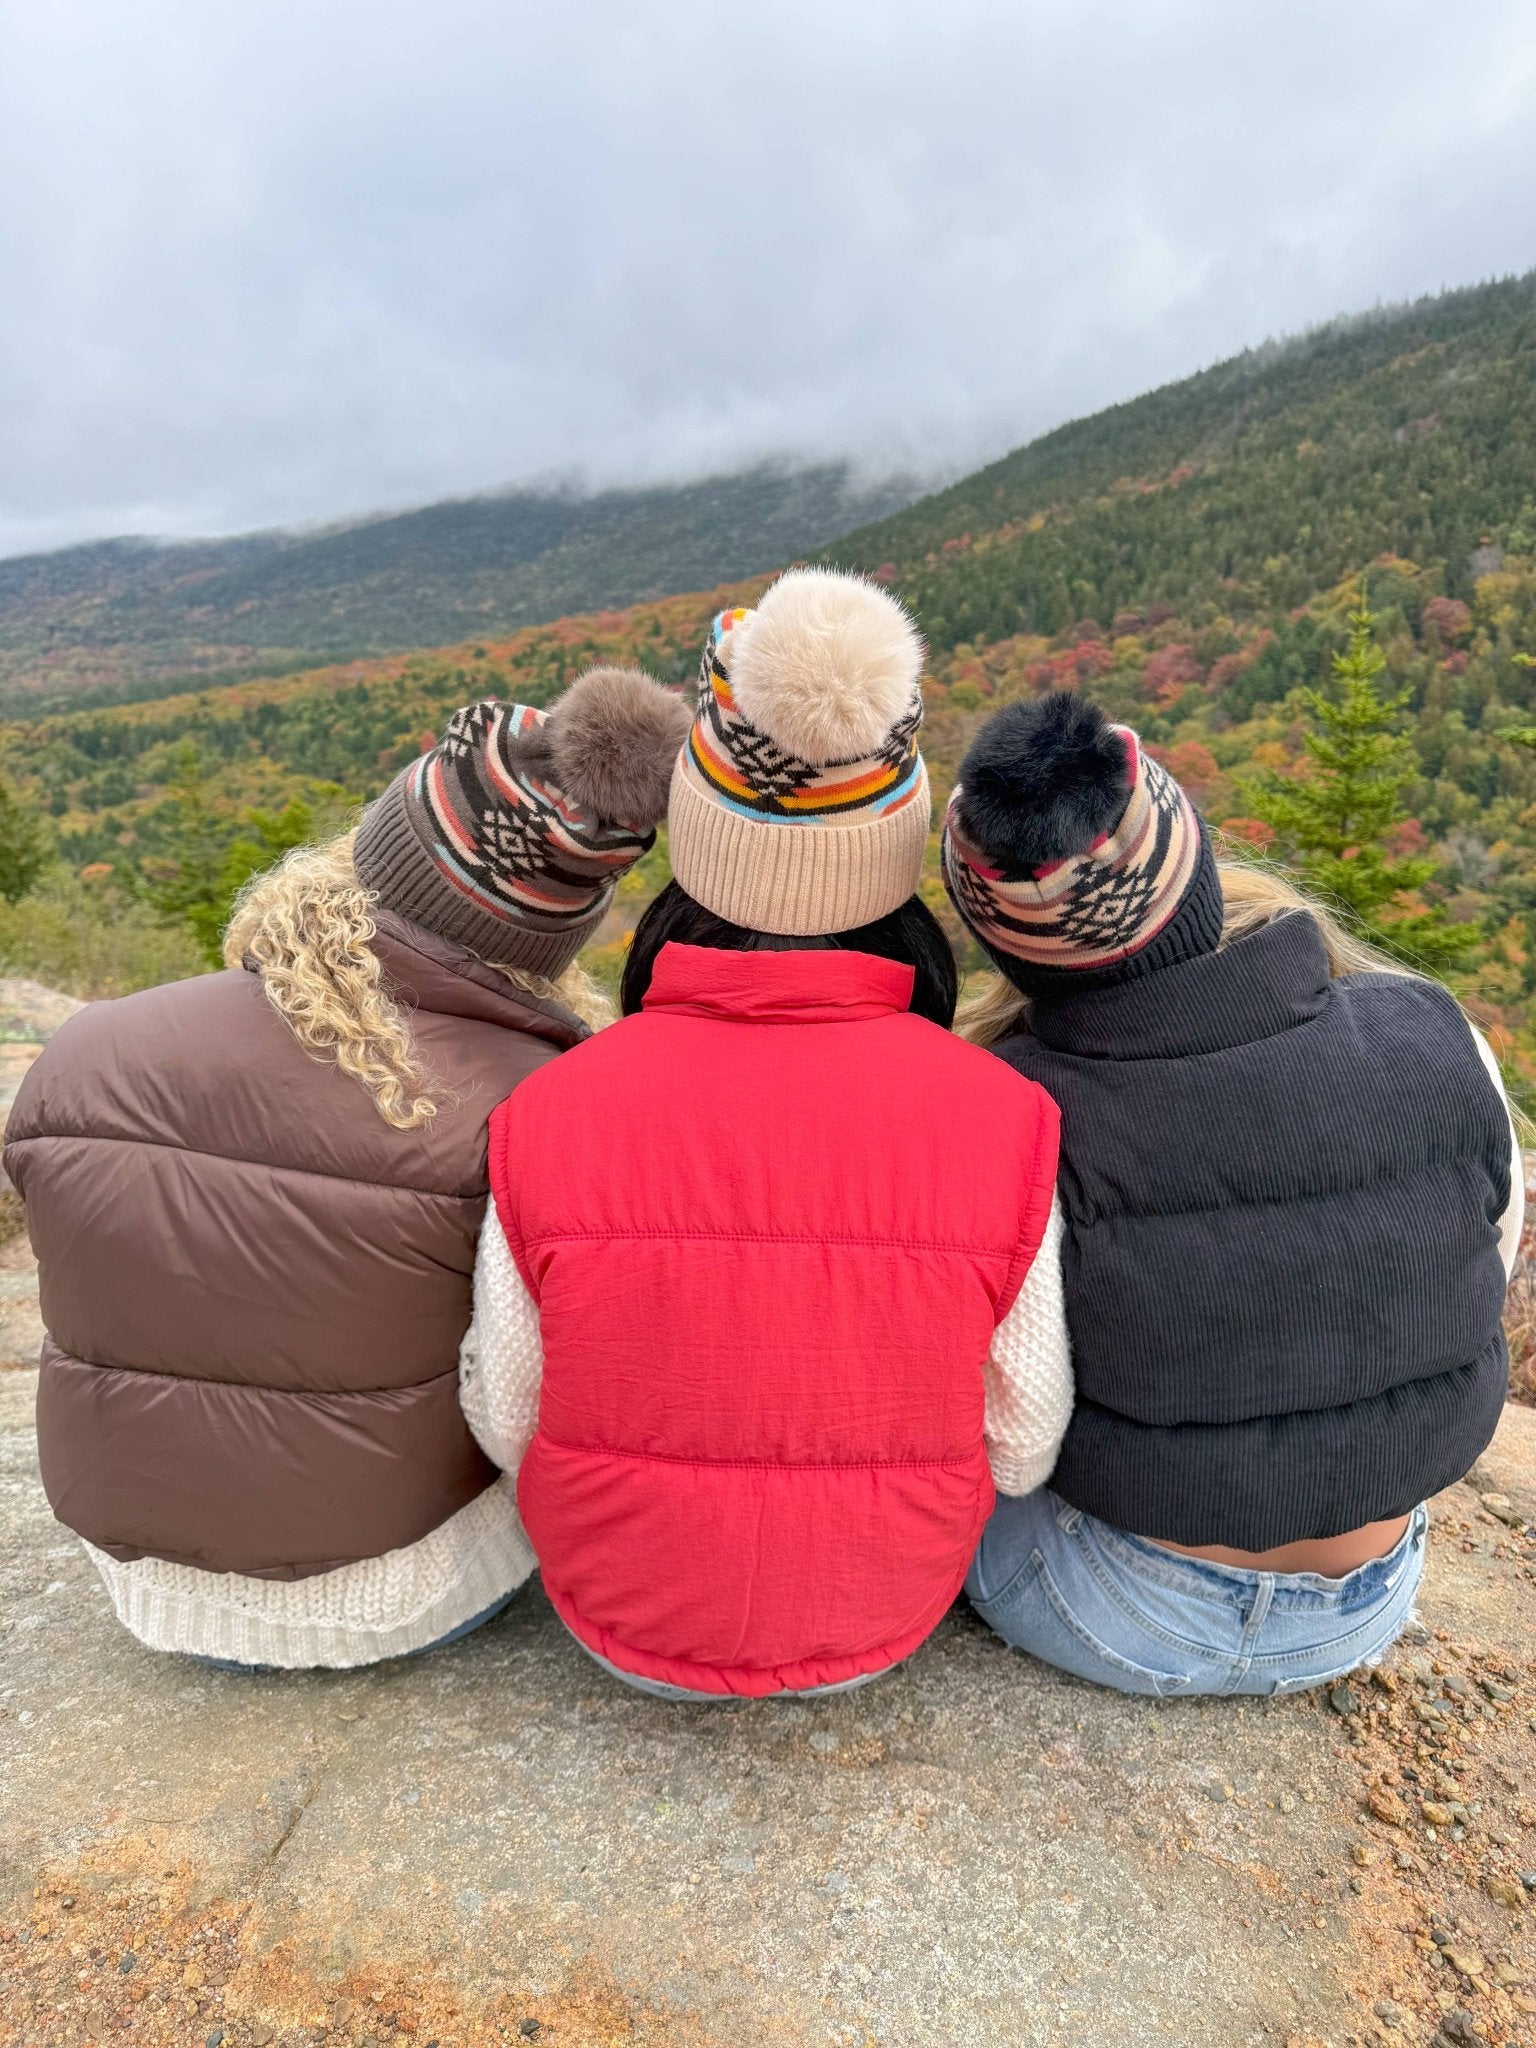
(801, 880)
(393, 863)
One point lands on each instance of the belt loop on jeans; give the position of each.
(1067, 1518)
(1263, 1598)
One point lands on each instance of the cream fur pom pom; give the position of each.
(825, 665)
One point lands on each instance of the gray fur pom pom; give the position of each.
(613, 739)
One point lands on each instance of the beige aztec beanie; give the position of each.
(800, 803)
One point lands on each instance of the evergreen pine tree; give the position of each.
(199, 868)
(24, 845)
(1335, 826)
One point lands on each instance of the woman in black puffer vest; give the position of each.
(1292, 1198)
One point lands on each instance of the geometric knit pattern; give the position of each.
(379, 1607)
(1028, 1376)
(1091, 909)
(502, 836)
(728, 759)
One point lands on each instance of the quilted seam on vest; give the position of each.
(254, 1288)
(771, 1225)
(1283, 1278)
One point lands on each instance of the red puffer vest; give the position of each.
(770, 1225)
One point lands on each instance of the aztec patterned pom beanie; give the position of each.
(510, 835)
(800, 804)
(1072, 855)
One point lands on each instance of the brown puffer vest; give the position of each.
(255, 1288)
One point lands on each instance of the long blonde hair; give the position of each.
(307, 924)
(1252, 897)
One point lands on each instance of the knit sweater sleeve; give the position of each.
(1029, 1374)
(501, 1360)
(1512, 1222)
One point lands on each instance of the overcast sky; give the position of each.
(276, 260)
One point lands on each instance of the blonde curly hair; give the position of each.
(307, 925)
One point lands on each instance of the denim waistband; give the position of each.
(1230, 1585)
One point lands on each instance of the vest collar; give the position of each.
(425, 972)
(828, 986)
(1265, 984)
(430, 972)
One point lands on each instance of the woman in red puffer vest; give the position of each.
(772, 1294)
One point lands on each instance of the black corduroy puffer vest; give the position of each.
(1283, 1281)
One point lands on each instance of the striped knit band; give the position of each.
(477, 846)
(1093, 909)
(779, 844)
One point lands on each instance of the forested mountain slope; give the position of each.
(130, 618)
(1189, 557)
(1248, 488)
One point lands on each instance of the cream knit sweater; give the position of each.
(380, 1607)
(388, 1606)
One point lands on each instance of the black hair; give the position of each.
(910, 934)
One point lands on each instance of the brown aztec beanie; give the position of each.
(800, 803)
(1073, 856)
(510, 835)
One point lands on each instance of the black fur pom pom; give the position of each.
(1042, 781)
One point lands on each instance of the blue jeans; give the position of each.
(1126, 1613)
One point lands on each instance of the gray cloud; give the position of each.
(269, 260)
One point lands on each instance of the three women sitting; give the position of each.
(782, 1287)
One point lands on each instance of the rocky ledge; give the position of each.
(496, 1844)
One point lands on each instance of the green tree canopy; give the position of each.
(24, 845)
(1335, 828)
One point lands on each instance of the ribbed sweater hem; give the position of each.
(361, 1613)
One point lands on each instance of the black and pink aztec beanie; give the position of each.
(510, 835)
(1075, 858)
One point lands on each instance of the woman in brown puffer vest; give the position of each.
(255, 1199)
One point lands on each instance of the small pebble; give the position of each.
(824, 1741)
(1528, 1879)
(1389, 2011)
(1504, 1891)
(1386, 1805)
(1286, 1802)
(215, 2039)
(530, 2029)
(127, 1962)
(1344, 1699)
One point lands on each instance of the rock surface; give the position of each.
(29, 1016)
(497, 1843)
